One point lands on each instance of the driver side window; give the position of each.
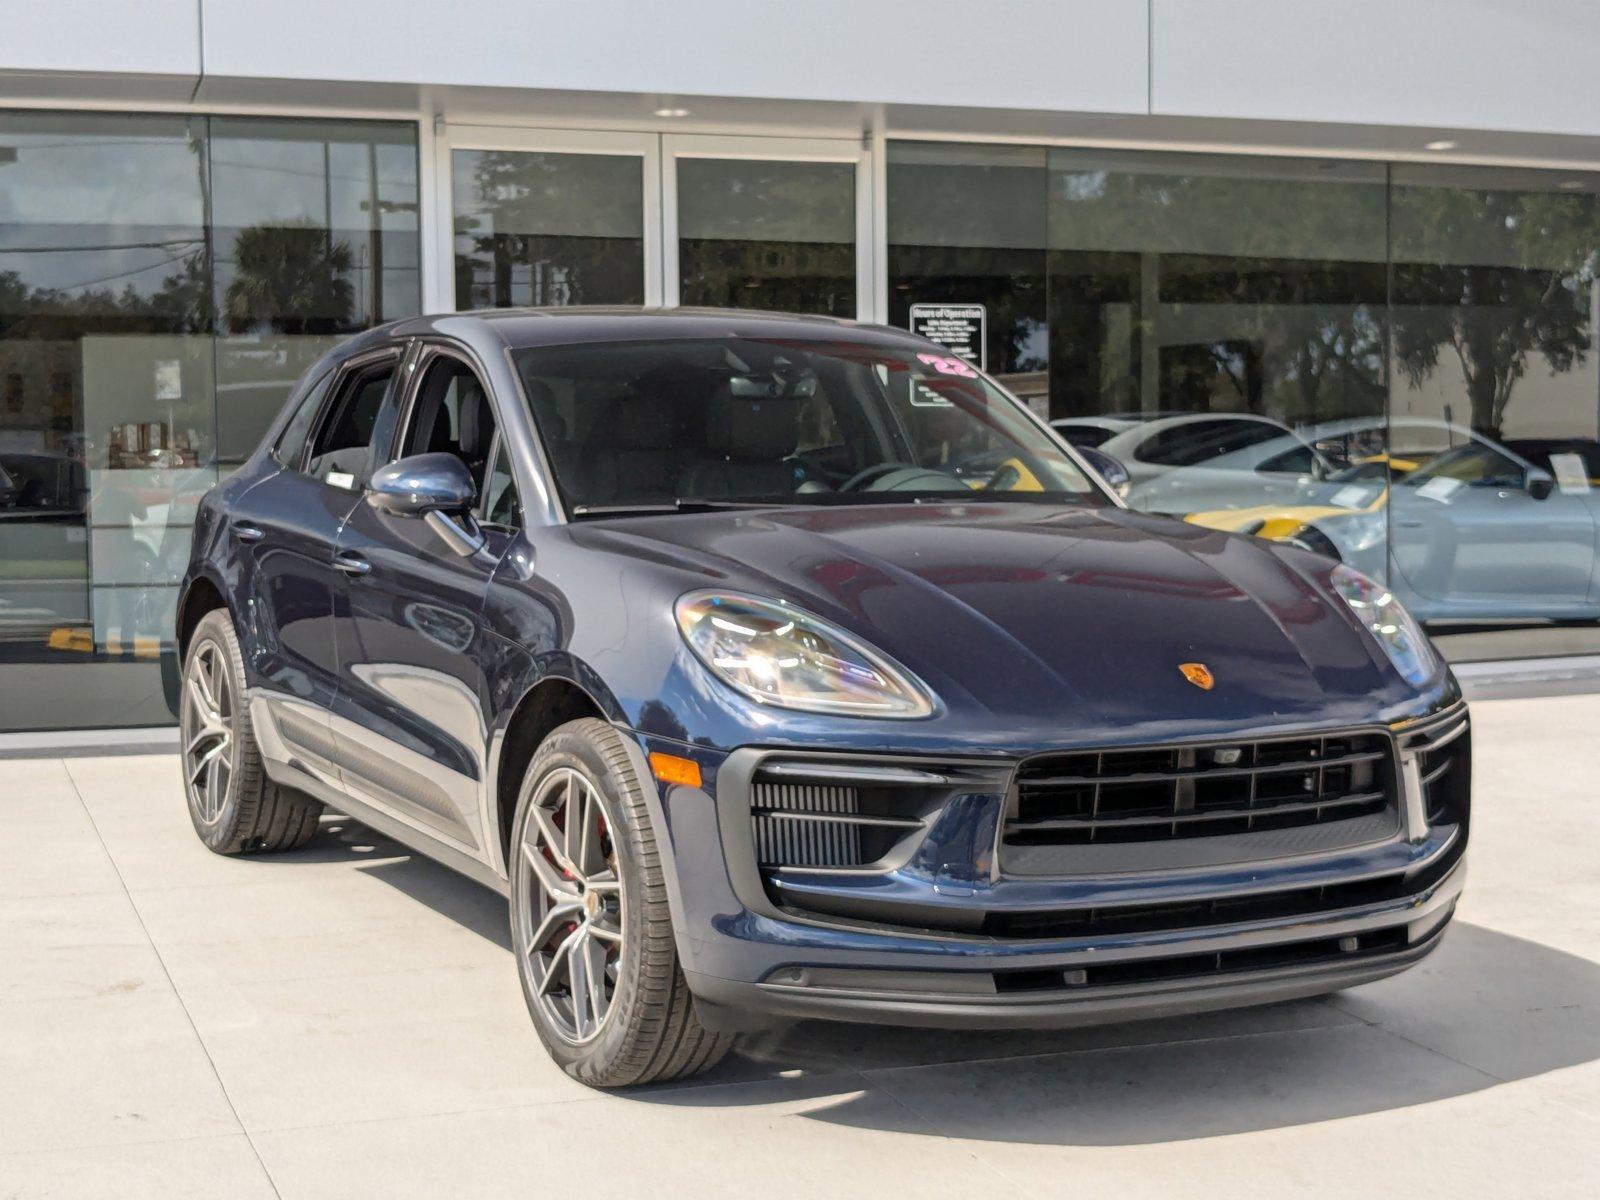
(451, 414)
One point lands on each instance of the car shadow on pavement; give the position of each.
(1484, 1009)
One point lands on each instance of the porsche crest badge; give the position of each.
(1198, 674)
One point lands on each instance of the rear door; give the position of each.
(409, 721)
(286, 529)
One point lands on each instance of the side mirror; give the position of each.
(423, 483)
(436, 487)
(1540, 484)
(1109, 468)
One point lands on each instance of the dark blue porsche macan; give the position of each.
(780, 667)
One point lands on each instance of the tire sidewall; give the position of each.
(571, 748)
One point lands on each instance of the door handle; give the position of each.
(246, 532)
(351, 563)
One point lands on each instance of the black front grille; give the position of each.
(1162, 793)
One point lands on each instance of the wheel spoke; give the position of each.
(572, 826)
(206, 678)
(209, 717)
(558, 913)
(605, 933)
(584, 1012)
(557, 888)
(552, 837)
(562, 956)
(593, 956)
(213, 774)
(203, 763)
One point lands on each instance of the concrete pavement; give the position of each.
(346, 1022)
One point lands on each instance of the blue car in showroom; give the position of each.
(785, 667)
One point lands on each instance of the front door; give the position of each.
(409, 718)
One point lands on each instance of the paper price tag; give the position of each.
(1571, 476)
(1440, 489)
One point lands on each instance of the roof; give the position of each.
(522, 327)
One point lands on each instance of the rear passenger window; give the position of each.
(291, 447)
(341, 453)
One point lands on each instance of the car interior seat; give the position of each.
(753, 438)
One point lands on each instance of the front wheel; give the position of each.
(589, 919)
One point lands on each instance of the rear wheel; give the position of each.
(589, 919)
(235, 808)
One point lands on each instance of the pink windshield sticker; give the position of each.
(948, 365)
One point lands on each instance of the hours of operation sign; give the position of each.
(957, 327)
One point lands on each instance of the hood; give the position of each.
(1023, 610)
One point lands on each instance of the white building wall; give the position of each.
(1449, 64)
(152, 37)
(1074, 54)
(1475, 64)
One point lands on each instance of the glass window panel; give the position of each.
(547, 229)
(768, 235)
(1224, 319)
(106, 420)
(315, 236)
(968, 225)
(1495, 382)
(113, 378)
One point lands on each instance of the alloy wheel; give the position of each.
(570, 916)
(207, 730)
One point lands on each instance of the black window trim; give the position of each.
(351, 367)
(430, 350)
(480, 509)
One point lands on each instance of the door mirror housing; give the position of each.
(436, 487)
(1540, 484)
(421, 484)
(1108, 467)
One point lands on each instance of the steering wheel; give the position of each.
(859, 481)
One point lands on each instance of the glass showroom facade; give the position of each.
(1394, 364)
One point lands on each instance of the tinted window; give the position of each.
(340, 452)
(1300, 461)
(749, 420)
(499, 504)
(291, 446)
(451, 415)
(1083, 435)
(1196, 441)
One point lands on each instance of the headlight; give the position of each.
(1387, 620)
(776, 654)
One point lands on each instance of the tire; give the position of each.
(596, 908)
(235, 807)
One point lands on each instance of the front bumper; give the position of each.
(970, 998)
(942, 937)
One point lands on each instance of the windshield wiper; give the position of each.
(681, 505)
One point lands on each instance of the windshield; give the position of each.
(741, 420)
